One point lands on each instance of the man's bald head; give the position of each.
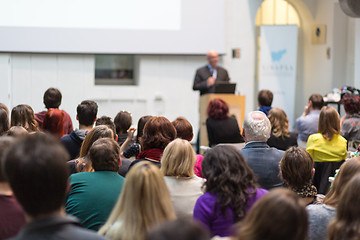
(213, 58)
(257, 127)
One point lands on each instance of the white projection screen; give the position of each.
(112, 26)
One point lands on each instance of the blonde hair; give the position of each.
(178, 159)
(279, 122)
(329, 122)
(143, 203)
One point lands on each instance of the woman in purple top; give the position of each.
(230, 190)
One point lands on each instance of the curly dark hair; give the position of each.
(351, 103)
(217, 109)
(228, 177)
(158, 133)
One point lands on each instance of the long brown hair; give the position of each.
(143, 203)
(329, 122)
(279, 123)
(346, 224)
(278, 215)
(349, 169)
(23, 115)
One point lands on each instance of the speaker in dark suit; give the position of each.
(206, 77)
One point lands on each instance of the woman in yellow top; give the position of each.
(327, 148)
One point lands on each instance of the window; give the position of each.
(114, 70)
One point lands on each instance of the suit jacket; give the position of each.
(203, 73)
(264, 161)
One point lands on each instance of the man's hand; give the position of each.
(306, 110)
(210, 81)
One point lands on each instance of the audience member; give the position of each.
(177, 165)
(53, 122)
(134, 149)
(3, 106)
(346, 224)
(83, 163)
(23, 115)
(4, 121)
(265, 99)
(327, 148)
(221, 128)
(278, 215)
(189, 230)
(297, 171)
(321, 215)
(86, 115)
(184, 131)
(12, 217)
(158, 133)
(144, 203)
(350, 123)
(36, 170)
(280, 137)
(17, 132)
(52, 99)
(105, 120)
(94, 194)
(230, 190)
(123, 121)
(307, 124)
(262, 159)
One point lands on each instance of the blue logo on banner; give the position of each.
(277, 56)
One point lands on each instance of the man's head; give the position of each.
(105, 120)
(86, 112)
(212, 57)
(38, 174)
(52, 98)
(257, 127)
(123, 121)
(316, 101)
(183, 128)
(105, 155)
(5, 143)
(265, 98)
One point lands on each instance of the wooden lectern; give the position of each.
(236, 105)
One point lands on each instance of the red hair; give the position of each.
(54, 122)
(217, 109)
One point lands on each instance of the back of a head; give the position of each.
(104, 155)
(158, 133)
(351, 103)
(54, 122)
(296, 167)
(105, 120)
(5, 143)
(101, 131)
(38, 174)
(278, 215)
(347, 170)
(217, 109)
(265, 98)
(178, 159)
(257, 127)
(317, 101)
(23, 115)
(4, 121)
(183, 128)
(3, 106)
(143, 203)
(52, 98)
(86, 112)
(140, 127)
(346, 224)
(229, 177)
(123, 121)
(279, 122)
(17, 132)
(179, 229)
(329, 122)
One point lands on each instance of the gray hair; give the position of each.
(257, 127)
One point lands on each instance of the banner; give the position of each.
(277, 69)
